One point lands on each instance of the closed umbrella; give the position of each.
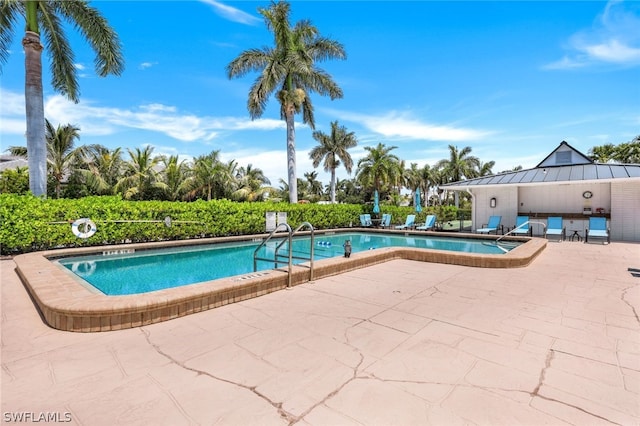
(417, 201)
(376, 202)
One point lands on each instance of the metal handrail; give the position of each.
(311, 248)
(289, 256)
(515, 228)
(275, 259)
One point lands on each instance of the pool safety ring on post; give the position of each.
(83, 228)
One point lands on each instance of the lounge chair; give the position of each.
(492, 226)
(597, 229)
(365, 220)
(554, 227)
(411, 219)
(386, 220)
(522, 226)
(429, 223)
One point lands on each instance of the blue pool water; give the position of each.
(156, 269)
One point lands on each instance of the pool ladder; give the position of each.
(277, 257)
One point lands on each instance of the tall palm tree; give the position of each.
(289, 68)
(379, 168)
(62, 155)
(332, 149)
(140, 176)
(49, 14)
(485, 169)
(460, 164)
(428, 179)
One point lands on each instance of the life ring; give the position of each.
(83, 269)
(83, 228)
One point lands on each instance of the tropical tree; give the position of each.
(379, 168)
(14, 181)
(332, 149)
(627, 152)
(140, 176)
(104, 169)
(48, 16)
(209, 176)
(175, 175)
(251, 184)
(314, 186)
(485, 169)
(603, 153)
(289, 69)
(460, 164)
(62, 154)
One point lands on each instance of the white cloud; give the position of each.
(403, 126)
(231, 13)
(613, 39)
(145, 65)
(95, 120)
(80, 67)
(613, 51)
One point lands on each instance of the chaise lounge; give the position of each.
(597, 229)
(554, 227)
(411, 219)
(492, 226)
(522, 226)
(429, 223)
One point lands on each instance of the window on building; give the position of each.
(563, 157)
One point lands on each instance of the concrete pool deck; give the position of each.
(68, 304)
(400, 342)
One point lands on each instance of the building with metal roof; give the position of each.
(566, 183)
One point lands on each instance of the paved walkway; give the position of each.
(401, 343)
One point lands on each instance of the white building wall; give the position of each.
(564, 198)
(506, 205)
(625, 211)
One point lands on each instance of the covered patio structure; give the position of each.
(566, 183)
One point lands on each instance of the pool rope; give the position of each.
(85, 228)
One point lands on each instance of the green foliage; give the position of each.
(14, 181)
(29, 223)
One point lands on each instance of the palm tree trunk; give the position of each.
(34, 105)
(333, 185)
(291, 156)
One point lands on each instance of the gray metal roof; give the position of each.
(12, 162)
(572, 173)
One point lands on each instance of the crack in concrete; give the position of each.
(277, 405)
(547, 365)
(536, 391)
(332, 393)
(633, 309)
(546, 398)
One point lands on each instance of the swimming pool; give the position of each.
(142, 271)
(67, 302)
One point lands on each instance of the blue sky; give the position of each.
(509, 79)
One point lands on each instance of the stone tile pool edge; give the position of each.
(66, 304)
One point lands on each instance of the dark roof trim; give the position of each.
(564, 143)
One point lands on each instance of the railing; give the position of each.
(289, 256)
(522, 225)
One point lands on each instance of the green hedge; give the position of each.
(28, 223)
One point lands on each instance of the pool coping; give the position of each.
(66, 304)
